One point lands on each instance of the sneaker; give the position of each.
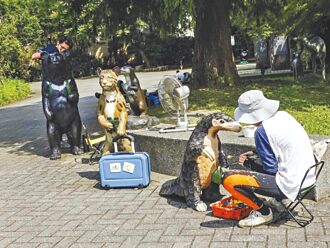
(276, 205)
(256, 219)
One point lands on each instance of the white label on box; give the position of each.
(128, 167)
(115, 167)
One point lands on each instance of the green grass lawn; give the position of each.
(308, 101)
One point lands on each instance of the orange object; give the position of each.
(232, 180)
(230, 208)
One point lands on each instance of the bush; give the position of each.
(18, 32)
(12, 90)
(82, 64)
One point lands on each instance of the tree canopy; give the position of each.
(147, 31)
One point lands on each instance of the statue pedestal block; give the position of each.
(141, 122)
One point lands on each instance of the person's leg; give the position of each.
(268, 187)
(242, 185)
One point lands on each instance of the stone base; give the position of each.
(141, 122)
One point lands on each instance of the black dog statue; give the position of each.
(202, 157)
(297, 66)
(60, 103)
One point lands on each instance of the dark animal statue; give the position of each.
(202, 157)
(297, 66)
(316, 46)
(60, 103)
(133, 92)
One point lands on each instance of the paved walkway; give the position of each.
(47, 203)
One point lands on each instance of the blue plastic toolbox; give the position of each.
(125, 169)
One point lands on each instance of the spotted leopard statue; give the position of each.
(112, 112)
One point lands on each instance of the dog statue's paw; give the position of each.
(200, 206)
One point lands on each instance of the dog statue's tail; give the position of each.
(171, 187)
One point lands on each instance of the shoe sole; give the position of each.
(265, 223)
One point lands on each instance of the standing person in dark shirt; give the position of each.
(56, 61)
(62, 45)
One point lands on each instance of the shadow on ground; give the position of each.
(91, 175)
(23, 128)
(220, 223)
(94, 176)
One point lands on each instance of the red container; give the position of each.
(229, 208)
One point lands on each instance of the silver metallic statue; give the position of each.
(316, 46)
(297, 66)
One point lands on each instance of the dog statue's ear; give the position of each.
(98, 71)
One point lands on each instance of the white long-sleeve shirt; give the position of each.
(292, 148)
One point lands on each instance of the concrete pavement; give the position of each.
(47, 203)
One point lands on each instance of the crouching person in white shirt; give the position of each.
(285, 153)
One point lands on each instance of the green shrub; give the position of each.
(12, 90)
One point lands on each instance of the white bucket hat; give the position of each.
(253, 107)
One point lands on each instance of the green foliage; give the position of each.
(12, 90)
(17, 34)
(131, 27)
(263, 18)
(305, 15)
(257, 18)
(178, 14)
(138, 28)
(83, 65)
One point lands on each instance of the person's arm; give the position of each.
(265, 151)
(36, 56)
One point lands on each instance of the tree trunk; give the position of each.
(213, 64)
(144, 57)
(326, 37)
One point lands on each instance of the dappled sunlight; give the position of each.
(307, 101)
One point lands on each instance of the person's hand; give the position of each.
(109, 125)
(244, 156)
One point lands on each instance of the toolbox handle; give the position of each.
(119, 137)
